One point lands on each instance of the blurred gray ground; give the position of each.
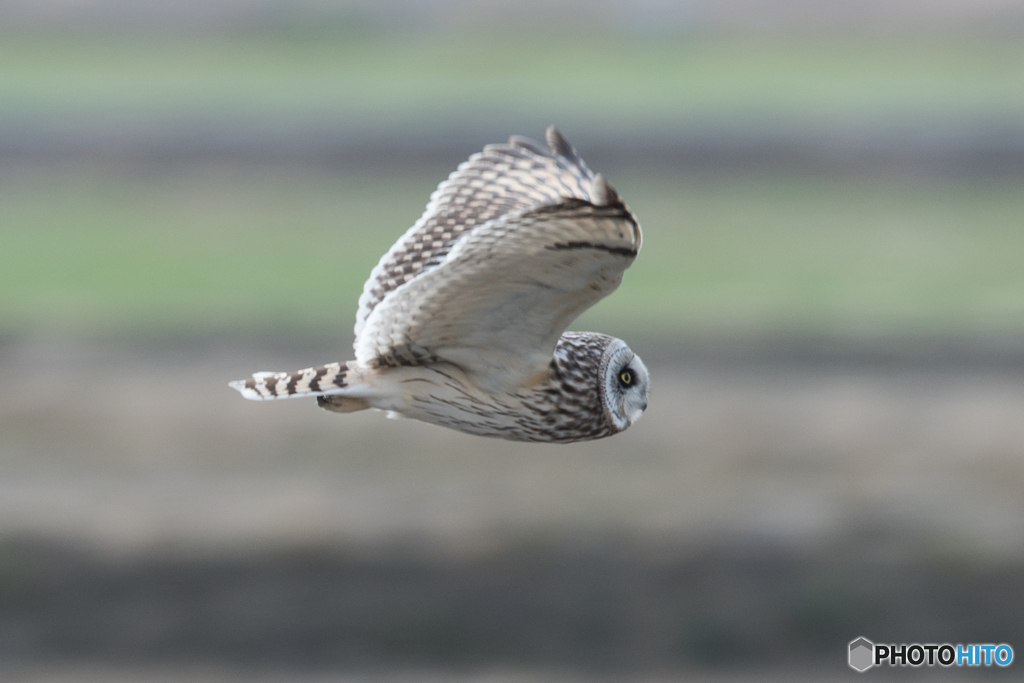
(956, 148)
(219, 675)
(760, 515)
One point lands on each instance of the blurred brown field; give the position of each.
(752, 519)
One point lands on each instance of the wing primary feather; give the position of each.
(532, 145)
(559, 145)
(604, 194)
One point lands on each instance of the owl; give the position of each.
(462, 322)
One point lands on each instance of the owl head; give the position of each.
(625, 384)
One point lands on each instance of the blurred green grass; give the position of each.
(284, 250)
(586, 78)
(199, 249)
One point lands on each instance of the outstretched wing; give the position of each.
(497, 300)
(503, 179)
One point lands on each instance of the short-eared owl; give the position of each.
(462, 323)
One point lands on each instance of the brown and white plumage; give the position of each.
(461, 322)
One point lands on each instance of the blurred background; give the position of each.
(830, 299)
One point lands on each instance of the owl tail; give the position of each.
(324, 381)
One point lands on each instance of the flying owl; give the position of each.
(462, 323)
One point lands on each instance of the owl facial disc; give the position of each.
(625, 384)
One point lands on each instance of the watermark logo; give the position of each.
(863, 654)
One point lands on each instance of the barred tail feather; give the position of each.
(319, 381)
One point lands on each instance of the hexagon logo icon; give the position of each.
(862, 654)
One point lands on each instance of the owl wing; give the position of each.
(502, 290)
(501, 180)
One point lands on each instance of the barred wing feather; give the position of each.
(506, 290)
(501, 180)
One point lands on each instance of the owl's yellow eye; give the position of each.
(626, 377)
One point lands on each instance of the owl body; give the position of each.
(556, 406)
(462, 323)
